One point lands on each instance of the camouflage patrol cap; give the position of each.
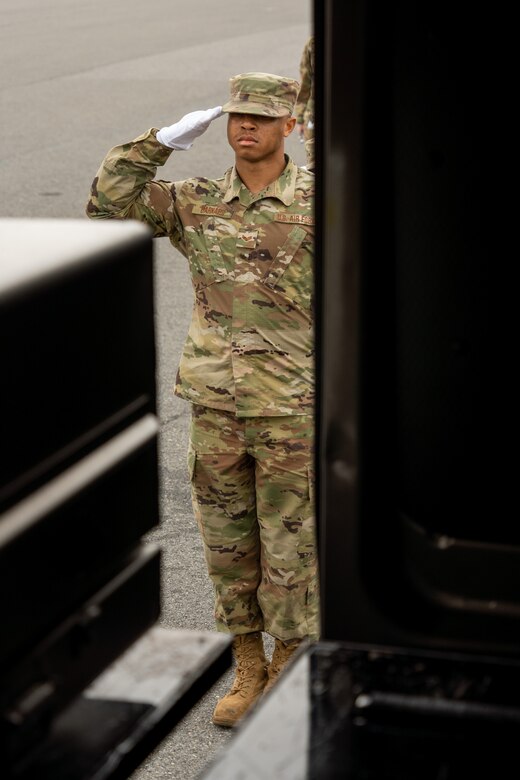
(262, 93)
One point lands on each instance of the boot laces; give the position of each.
(246, 678)
(250, 666)
(281, 655)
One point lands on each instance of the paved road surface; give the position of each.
(79, 77)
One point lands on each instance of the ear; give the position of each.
(289, 126)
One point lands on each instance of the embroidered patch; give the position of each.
(301, 219)
(214, 211)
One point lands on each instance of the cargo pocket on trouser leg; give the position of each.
(288, 594)
(313, 589)
(308, 557)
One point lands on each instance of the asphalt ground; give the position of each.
(77, 78)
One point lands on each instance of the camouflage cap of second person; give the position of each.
(262, 93)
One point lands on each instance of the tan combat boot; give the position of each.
(281, 657)
(249, 683)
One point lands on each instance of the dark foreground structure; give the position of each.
(417, 674)
(78, 492)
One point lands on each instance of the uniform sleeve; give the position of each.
(305, 84)
(124, 187)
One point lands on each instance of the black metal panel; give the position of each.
(77, 343)
(59, 667)
(339, 86)
(79, 483)
(417, 543)
(67, 539)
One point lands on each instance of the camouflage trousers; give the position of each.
(253, 498)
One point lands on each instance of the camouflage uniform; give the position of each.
(309, 153)
(255, 474)
(247, 367)
(304, 109)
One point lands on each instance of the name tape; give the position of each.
(299, 219)
(214, 211)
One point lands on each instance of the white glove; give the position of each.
(182, 134)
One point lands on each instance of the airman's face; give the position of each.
(254, 138)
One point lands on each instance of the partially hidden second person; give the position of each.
(304, 109)
(247, 365)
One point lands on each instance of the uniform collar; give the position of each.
(283, 188)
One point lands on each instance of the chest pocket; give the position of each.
(210, 259)
(285, 255)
